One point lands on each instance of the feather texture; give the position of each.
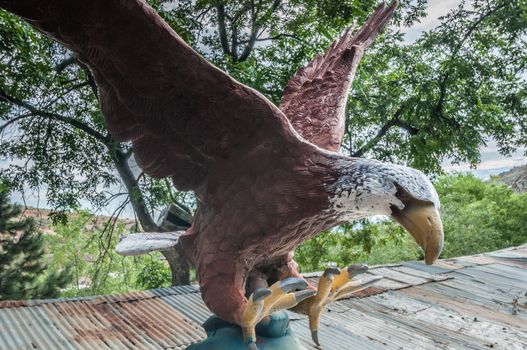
(314, 99)
(181, 113)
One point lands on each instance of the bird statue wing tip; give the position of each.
(143, 243)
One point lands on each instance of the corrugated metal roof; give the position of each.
(462, 303)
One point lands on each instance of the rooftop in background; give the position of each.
(473, 302)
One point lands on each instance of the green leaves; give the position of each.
(480, 216)
(23, 262)
(154, 274)
(440, 97)
(459, 84)
(49, 152)
(371, 242)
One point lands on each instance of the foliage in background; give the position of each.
(25, 273)
(154, 274)
(368, 242)
(478, 216)
(54, 134)
(51, 128)
(447, 93)
(96, 267)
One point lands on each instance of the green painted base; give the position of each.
(274, 334)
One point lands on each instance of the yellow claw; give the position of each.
(265, 301)
(347, 274)
(291, 299)
(333, 285)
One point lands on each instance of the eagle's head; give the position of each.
(367, 188)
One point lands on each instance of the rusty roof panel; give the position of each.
(140, 320)
(191, 306)
(465, 303)
(438, 268)
(401, 277)
(423, 327)
(517, 255)
(420, 273)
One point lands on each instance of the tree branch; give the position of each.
(249, 5)
(105, 139)
(250, 45)
(407, 127)
(222, 30)
(73, 88)
(234, 42)
(395, 121)
(278, 36)
(136, 196)
(68, 61)
(128, 152)
(438, 108)
(90, 78)
(178, 264)
(474, 25)
(256, 26)
(13, 120)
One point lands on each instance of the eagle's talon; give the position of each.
(265, 301)
(333, 285)
(291, 283)
(252, 346)
(314, 337)
(347, 274)
(356, 269)
(304, 294)
(291, 299)
(331, 271)
(259, 294)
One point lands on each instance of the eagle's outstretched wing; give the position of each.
(314, 100)
(182, 114)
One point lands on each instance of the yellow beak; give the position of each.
(422, 221)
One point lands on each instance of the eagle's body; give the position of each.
(266, 178)
(254, 213)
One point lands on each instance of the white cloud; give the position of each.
(435, 9)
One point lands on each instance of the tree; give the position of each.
(153, 275)
(441, 96)
(480, 216)
(23, 259)
(446, 94)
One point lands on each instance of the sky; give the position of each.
(491, 161)
(435, 9)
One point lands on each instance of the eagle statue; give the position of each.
(266, 178)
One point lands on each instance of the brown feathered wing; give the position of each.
(180, 112)
(314, 100)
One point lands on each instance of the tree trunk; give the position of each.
(179, 265)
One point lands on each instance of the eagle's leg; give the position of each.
(334, 284)
(264, 301)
